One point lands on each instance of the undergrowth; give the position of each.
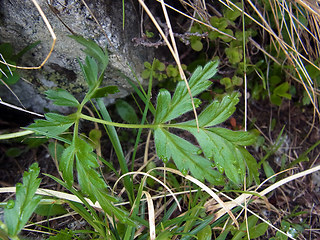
(220, 157)
(196, 155)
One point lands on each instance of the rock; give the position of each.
(21, 25)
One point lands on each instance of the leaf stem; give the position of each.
(122, 125)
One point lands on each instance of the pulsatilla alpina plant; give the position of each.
(219, 157)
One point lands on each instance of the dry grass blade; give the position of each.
(295, 57)
(311, 6)
(154, 178)
(4, 83)
(15, 134)
(239, 201)
(51, 219)
(53, 35)
(198, 21)
(152, 225)
(204, 188)
(20, 109)
(56, 194)
(172, 47)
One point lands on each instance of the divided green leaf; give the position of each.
(222, 146)
(18, 212)
(105, 91)
(168, 109)
(185, 155)
(55, 125)
(93, 50)
(90, 71)
(62, 98)
(90, 181)
(96, 61)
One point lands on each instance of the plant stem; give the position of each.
(122, 125)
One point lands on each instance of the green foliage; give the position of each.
(292, 229)
(48, 210)
(161, 72)
(222, 146)
(61, 97)
(220, 154)
(54, 125)
(255, 230)
(9, 74)
(278, 89)
(18, 212)
(126, 111)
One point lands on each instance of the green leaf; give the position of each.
(53, 126)
(172, 71)
(61, 97)
(159, 65)
(25, 50)
(226, 38)
(50, 210)
(105, 201)
(238, 81)
(86, 163)
(232, 14)
(11, 78)
(252, 166)
(90, 181)
(126, 112)
(145, 73)
(196, 45)
(282, 90)
(312, 71)
(226, 81)
(55, 150)
(13, 152)
(223, 146)
(268, 171)
(92, 49)
(18, 215)
(205, 234)
(218, 112)
(225, 154)
(234, 54)
(66, 164)
(105, 91)
(168, 109)
(6, 50)
(90, 71)
(185, 155)
(258, 230)
(65, 234)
